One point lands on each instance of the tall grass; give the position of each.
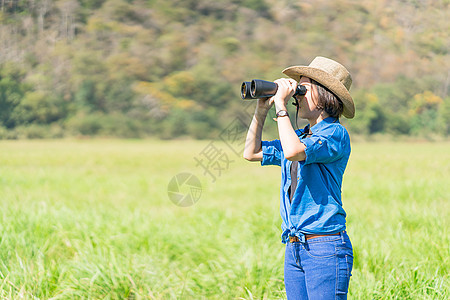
(92, 219)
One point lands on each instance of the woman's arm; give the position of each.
(293, 149)
(253, 149)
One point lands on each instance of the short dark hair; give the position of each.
(328, 101)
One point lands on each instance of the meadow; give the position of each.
(92, 219)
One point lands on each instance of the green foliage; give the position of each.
(85, 96)
(259, 6)
(107, 125)
(425, 113)
(85, 124)
(12, 90)
(39, 107)
(444, 116)
(91, 4)
(150, 62)
(119, 10)
(400, 108)
(370, 114)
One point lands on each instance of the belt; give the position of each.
(295, 239)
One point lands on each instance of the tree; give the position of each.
(12, 91)
(424, 111)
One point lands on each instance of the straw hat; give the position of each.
(330, 74)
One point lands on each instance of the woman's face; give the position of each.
(308, 102)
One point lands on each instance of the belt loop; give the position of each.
(342, 236)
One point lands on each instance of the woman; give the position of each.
(319, 255)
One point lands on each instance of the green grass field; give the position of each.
(92, 219)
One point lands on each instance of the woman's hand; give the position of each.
(286, 89)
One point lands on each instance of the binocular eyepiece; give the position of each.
(260, 88)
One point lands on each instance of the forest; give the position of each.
(173, 68)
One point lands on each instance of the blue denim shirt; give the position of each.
(316, 206)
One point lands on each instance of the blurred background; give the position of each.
(93, 218)
(173, 68)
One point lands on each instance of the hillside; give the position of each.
(171, 68)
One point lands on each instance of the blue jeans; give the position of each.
(318, 269)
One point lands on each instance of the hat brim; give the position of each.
(328, 81)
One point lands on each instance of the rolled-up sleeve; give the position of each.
(272, 152)
(325, 149)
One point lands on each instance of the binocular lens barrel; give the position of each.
(261, 88)
(245, 90)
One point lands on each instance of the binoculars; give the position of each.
(260, 88)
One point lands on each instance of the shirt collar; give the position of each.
(324, 123)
